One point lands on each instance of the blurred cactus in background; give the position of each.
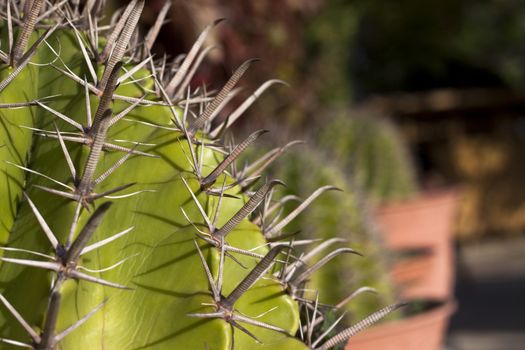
(364, 156)
(342, 218)
(371, 150)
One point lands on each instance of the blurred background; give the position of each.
(401, 102)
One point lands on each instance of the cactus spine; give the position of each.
(123, 225)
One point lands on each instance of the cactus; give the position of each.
(370, 148)
(339, 218)
(125, 224)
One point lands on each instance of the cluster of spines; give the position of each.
(172, 90)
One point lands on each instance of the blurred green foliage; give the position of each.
(415, 45)
(328, 42)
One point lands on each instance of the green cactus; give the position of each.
(364, 157)
(340, 218)
(370, 148)
(121, 219)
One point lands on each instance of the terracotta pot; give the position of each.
(424, 331)
(419, 222)
(425, 223)
(430, 276)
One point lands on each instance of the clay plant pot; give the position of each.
(425, 222)
(424, 331)
(428, 276)
(419, 222)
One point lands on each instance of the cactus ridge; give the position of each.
(186, 267)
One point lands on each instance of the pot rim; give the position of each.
(427, 198)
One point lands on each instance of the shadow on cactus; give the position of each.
(125, 223)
